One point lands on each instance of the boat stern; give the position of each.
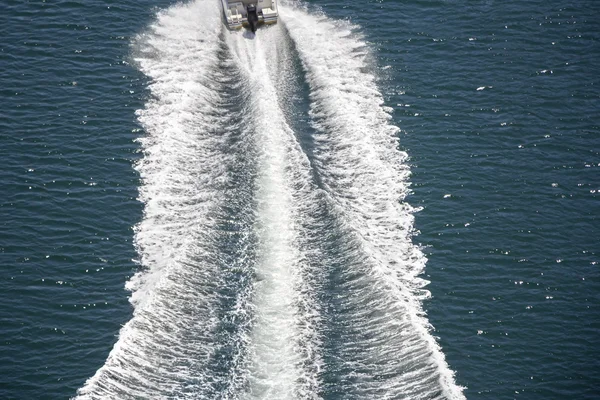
(236, 15)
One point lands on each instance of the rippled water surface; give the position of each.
(187, 212)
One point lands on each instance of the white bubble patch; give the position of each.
(390, 351)
(274, 264)
(283, 356)
(182, 172)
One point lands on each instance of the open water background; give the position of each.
(498, 103)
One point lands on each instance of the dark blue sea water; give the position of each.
(250, 194)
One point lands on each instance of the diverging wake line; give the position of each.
(390, 348)
(184, 175)
(270, 270)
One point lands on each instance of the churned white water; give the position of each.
(253, 319)
(365, 173)
(283, 353)
(182, 172)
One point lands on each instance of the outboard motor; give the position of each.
(252, 17)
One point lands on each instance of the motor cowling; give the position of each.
(252, 17)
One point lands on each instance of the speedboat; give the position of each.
(249, 13)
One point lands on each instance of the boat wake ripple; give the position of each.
(384, 344)
(283, 346)
(268, 269)
(184, 174)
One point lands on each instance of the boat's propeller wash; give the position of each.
(276, 245)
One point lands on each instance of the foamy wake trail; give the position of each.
(183, 170)
(385, 348)
(257, 283)
(283, 357)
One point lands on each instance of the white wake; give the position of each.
(174, 344)
(358, 159)
(182, 173)
(283, 358)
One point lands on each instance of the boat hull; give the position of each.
(235, 13)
